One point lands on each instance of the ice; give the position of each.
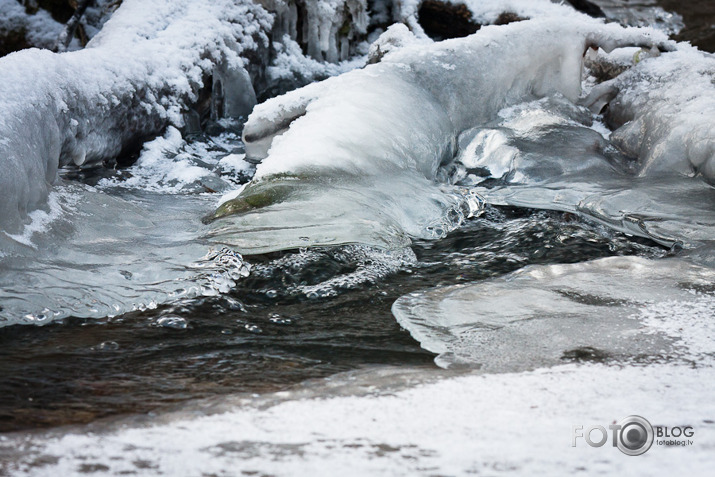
(329, 29)
(664, 109)
(314, 40)
(641, 13)
(355, 158)
(95, 255)
(552, 154)
(232, 93)
(130, 238)
(620, 308)
(135, 77)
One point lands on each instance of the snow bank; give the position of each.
(137, 75)
(364, 148)
(509, 424)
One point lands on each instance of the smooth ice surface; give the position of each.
(367, 424)
(355, 158)
(543, 315)
(131, 242)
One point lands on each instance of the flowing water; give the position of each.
(202, 321)
(268, 333)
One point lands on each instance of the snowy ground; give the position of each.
(471, 424)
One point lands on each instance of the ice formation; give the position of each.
(664, 112)
(328, 29)
(545, 315)
(552, 154)
(355, 158)
(134, 77)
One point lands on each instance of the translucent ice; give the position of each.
(608, 309)
(551, 154)
(355, 158)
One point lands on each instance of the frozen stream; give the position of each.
(404, 270)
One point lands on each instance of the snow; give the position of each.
(170, 165)
(290, 62)
(665, 107)
(235, 163)
(40, 30)
(86, 106)
(508, 424)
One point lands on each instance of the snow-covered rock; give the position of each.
(664, 112)
(136, 76)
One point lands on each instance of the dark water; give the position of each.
(699, 19)
(263, 337)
